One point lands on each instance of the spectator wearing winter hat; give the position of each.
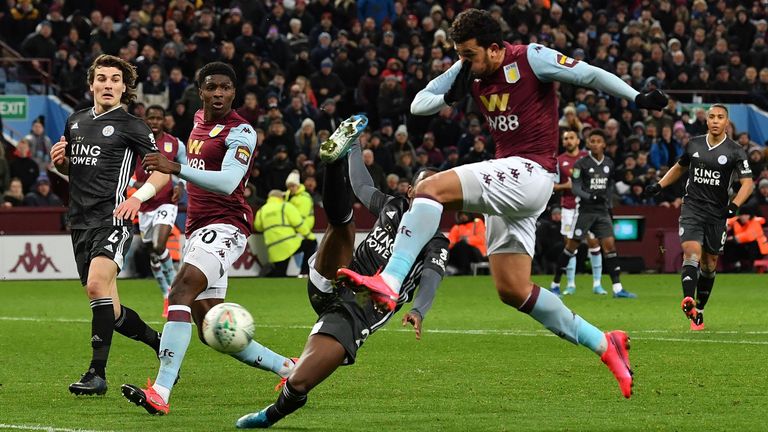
(401, 145)
(585, 117)
(391, 102)
(306, 139)
(328, 119)
(478, 152)
(41, 195)
(569, 120)
(326, 83)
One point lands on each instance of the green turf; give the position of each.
(480, 366)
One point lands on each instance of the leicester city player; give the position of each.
(344, 324)
(513, 86)
(220, 152)
(565, 163)
(713, 161)
(157, 216)
(98, 151)
(593, 186)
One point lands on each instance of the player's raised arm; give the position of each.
(362, 183)
(437, 94)
(241, 143)
(550, 65)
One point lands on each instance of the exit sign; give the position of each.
(14, 107)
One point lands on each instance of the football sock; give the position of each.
(169, 271)
(259, 356)
(336, 197)
(549, 310)
(596, 258)
(614, 269)
(562, 264)
(177, 333)
(289, 401)
(417, 227)
(689, 277)
(570, 272)
(704, 288)
(102, 325)
(158, 272)
(130, 324)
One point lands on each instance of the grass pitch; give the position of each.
(480, 365)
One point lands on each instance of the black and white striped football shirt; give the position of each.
(102, 153)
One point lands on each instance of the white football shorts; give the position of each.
(212, 250)
(512, 193)
(165, 214)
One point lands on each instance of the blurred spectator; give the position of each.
(435, 156)
(39, 143)
(746, 240)
(153, 91)
(23, 166)
(298, 196)
(250, 111)
(636, 195)
(402, 144)
(278, 168)
(42, 196)
(478, 153)
(446, 129)
(72, 77)
(5, 171)
(403, 185)
(283, 230)
(467, 243)
(405, 165)
(391, 101)
(328, 119)
(756, 160)
(306, 139)
(278, 136)
(467, 139)
(376, 172)
(14, 195)
(382, 154)
(392, 181)
(39, 44)
(451, 159)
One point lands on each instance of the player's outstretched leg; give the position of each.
(515, 289)
(338, 144)
(322, 355)
(130, 325)
(612, 347)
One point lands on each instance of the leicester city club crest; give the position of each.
(511, 73)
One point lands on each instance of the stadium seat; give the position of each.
(760, 265)
(479, 265)
(15, 87)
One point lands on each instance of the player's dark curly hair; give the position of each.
(129, 74)
(216, 68)
(598, 132)
(476, 24)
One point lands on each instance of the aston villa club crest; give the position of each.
(512, 73)
(564, 60)
(167, 146)
(216, 130)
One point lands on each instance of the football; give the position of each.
(228, 328)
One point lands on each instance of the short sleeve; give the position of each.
(142, 140)
(742, 164)
(685, 158)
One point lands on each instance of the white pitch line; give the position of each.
(43, 428)
(480, 332)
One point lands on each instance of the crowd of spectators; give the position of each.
(303, 66)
